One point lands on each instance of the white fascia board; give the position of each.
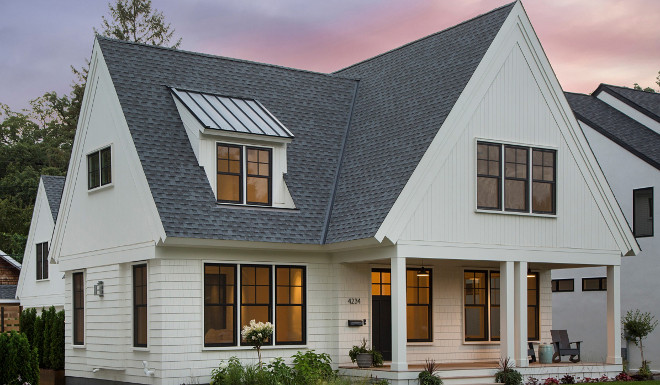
(516, 24)
(98, 68)
(251, 245)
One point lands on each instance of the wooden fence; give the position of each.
(9, 317)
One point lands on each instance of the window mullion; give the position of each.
(502, 162)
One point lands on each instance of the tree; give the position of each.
(134, 20)
(649, 89)
(636, 326)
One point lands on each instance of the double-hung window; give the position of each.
(99, 168)
(78, 308)
(260, 292)
(244, 174)
(643, 212)
(504, 178)
(482, 305)
(42, 260)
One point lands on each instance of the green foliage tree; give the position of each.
(19, 363)
(134, 20)
(26, 323)
(56, 331)
(637, 325)
(649, 89)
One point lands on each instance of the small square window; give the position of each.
(99, 168)
(563, 285)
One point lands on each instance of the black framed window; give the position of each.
(543, 181)
(381, 282)
(488, 176)
(563, 285)
(495, 305)
(78, 308)
(99, 168)
(516, 178)
(476, 305)
(511, 189)
(219, 304)
(533, 308)
(256, 294)
(42, 260)
(418, 306)
(290, 322)
(140, 305)
(594, 284)
(230, 173)
(258, 179)
(643, 212)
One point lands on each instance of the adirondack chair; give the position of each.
(563, 346)
(530, 352)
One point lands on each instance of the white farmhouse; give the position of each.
(41, 283)
(623, 129)
(422, 195)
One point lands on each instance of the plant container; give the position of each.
(365, 360)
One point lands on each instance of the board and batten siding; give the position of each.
(512, 110)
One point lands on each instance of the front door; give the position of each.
(381, 312)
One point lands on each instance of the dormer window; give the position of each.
(244, 174)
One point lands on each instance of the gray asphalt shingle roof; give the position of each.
(640, 140)
(7, 291)
(54, 185)
(645, 102)
(403, 97)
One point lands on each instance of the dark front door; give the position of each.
(381, 317)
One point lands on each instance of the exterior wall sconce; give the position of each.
(98, 289)
(423, 272)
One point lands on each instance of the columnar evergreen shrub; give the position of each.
(48, 317)
(19, 362)
(38, 339)
(26, 322)
(56, 331)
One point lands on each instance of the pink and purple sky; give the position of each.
(587, 41)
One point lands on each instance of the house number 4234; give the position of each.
(353, 301)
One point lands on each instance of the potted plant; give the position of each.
(365, 358)
(257, 334)
(636, 326)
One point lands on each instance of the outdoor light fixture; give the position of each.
(423, 272)
(98, 289)
(530, 274)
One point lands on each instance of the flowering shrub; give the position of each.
(623, 376)
(551, 381)
(257, 334)
(533, 381)
(568, 379)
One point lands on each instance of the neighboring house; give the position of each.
(623, 129)
(9, 306)
(41, 283)
(428, 191)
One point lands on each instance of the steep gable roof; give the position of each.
(54, 185)
(647, 103)
(404, 97)
(638, 139)
(10, 260)
(375, 118)
(7, 292)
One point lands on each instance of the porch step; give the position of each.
(468, 380)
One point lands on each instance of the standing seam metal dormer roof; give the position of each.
(381, 114)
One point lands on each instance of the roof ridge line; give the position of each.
(340, 161)
(208, 55)
(426, 37)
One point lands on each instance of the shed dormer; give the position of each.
(240, 145)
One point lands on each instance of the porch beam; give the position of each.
(614, 315)
(521, 314)
(507, 327)
(399, 328)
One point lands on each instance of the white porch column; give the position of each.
(507, 327)
(521, 314)
(399, 329)
(614, 315)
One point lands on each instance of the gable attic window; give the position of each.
(42, 260)
(99, 168)
(643, 212)
(250, 147)
(504, 177)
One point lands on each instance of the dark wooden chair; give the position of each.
(563, 346)
(530, 352)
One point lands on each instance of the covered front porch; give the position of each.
(480, 310)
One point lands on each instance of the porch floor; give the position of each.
(470, 365)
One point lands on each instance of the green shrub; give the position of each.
(281, 372)
(19, 361)
(38, 341)
(56, 332)
(506, 374)
(427, 376)
(26, 322)
(311, 367)
(48, 317)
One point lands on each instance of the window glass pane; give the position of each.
(253, 312)
(257, 190)
(495, 323)
(289, 324)
(234, 166)
(252, 155)
(418, 322)
(475, 321)
(386, 276)
(78, 309)
(411, 295)
(235, 153)
(515, 195)
(375, 277)
(532, 323)
(219, 312)
(488, 192)
(643, 212)
(542, 197)
(375, 289)
(229, 188)
(482, 167)
(106, 166)
(566, 285)
(93, 177)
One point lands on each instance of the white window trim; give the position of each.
(112, 169)
(238, 265)
(529, 147)
(47, 263)
(84, 344)
(132, 306)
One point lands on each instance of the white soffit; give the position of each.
(232, 114)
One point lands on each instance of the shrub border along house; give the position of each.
(45, 334)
